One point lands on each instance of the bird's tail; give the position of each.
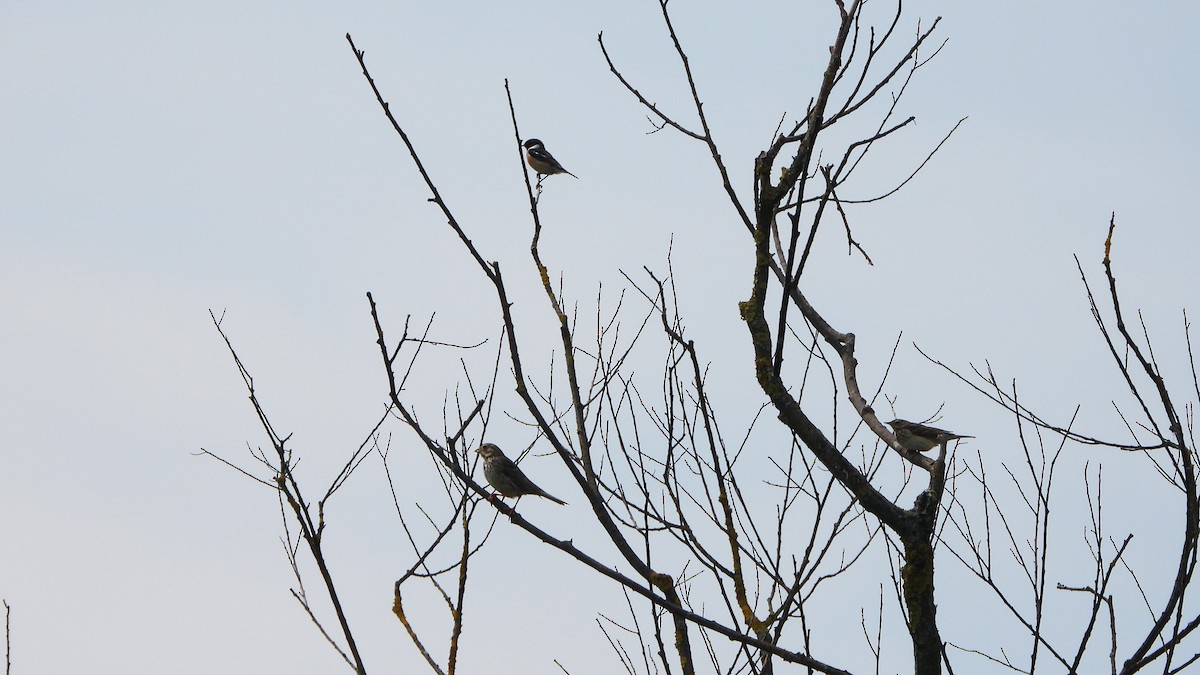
(551, 497)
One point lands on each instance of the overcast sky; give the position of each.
(163, 159)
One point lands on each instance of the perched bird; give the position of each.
(541, 160)
(920, 437)
(504, 475)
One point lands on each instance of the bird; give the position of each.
(542, 161)
(920, 437)
(504, 475)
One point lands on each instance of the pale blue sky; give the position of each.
(159, 159)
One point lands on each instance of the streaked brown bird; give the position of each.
(920, 437)
(542, 161)
(506, 477)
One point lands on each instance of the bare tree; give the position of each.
(1161, 437)
(715, 576)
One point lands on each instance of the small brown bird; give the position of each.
(504, 475)
(542, 161)
(920, 437)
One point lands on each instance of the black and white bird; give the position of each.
(506, 477)
(541, 161)
(920, 437)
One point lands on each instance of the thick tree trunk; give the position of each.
(917, 576)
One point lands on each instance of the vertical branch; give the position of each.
(663, 582)
(457, 612)
(914, 528)
(398, 610)
(720, 475)
(285, 481)
(7, 638)
(1177, 441)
